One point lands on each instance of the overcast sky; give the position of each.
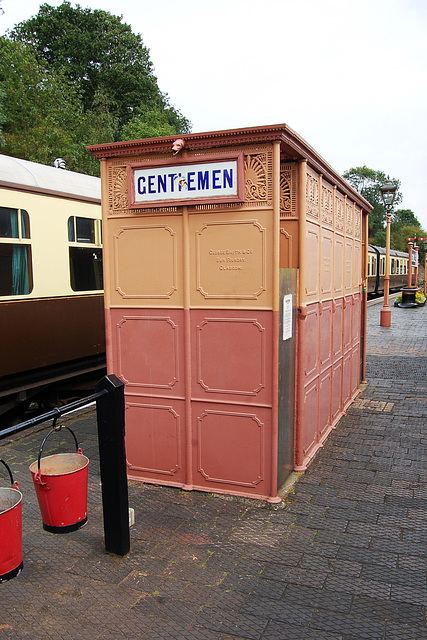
(349, 76)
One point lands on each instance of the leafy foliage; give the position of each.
(72, 77)
(368, 182)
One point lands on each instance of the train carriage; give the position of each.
(399, 261)
(51, 288)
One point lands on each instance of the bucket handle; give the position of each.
(15, 484)
(55, 428)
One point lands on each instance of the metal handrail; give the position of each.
(58, 412)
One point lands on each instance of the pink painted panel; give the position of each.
(232, 448)
(232, 356)
(325, 401)
(346, 387)
(337, 329)
(355, 372)
(326, 335)
(336, 406)
(311, 416)
(348, 319)
(311, 366)
(154, 439)
(356, 320)
(149, 350)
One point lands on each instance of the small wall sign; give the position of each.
(192, 180)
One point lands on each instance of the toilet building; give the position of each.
(234, 267)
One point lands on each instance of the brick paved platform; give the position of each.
(343, 559)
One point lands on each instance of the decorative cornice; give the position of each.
(292, 144)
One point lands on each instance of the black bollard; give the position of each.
(110, 408)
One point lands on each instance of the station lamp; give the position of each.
(388, 194)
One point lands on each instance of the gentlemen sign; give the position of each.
(187, 182)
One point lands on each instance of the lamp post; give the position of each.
(388, 193)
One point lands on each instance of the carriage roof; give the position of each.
(32, 176)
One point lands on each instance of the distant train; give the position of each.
(51, 287)
(399, 261)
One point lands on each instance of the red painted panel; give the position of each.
(337, 329)
(325, 399)
(154, 437)
(356, 320)
(149, 347)
(311, 416)
(326, 336)
(348, 317)
(311, 368)
(355, 372)
(346, 387)
(232, 356)
(232, 448)
(336, 406)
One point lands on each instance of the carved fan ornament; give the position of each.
(255, 178)
(119, 200)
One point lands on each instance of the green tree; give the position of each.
(368, 182)
(404, 217)
(102, 57)
(41, 111)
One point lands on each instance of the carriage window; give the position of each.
(81, 230)
(86, 269)
(85, 262)
(15, 256)
(15, 269)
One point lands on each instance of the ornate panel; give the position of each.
(148, 351)
(146, 261)
(312, 262)
(312, 195)
(326, 261)
(231, 260)
(327, 208)
(326, 335)
(325, 386)
(311, 416)
(348, 269)
(336, 406)
(230, 447)
(346, 378)
(311, 364)
(357, 222)
(337, 329)
(288, 190)
(231, 356)
(349, 216)
(339, 266)
(339, 211)
(153, 439)
(355, 370)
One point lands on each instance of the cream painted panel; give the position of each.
(145, 262)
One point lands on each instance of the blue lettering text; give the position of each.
(216, 179)
(228, 177)
(141, 187)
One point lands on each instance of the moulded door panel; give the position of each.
(232, 448)
(231, 262)
(348, 318)
(336, 389)
(155, 439)
(232, 356)
(149, 350)
(311, 365)
(325, 397)
(326, 335)
(311, 416)
(146, 262)
(339, 266)
(327, 261)
(312, 262)
(337, 329)
(355, 370)
(346, 391)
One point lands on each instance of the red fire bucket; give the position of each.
(60, 482)
(10, 530)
